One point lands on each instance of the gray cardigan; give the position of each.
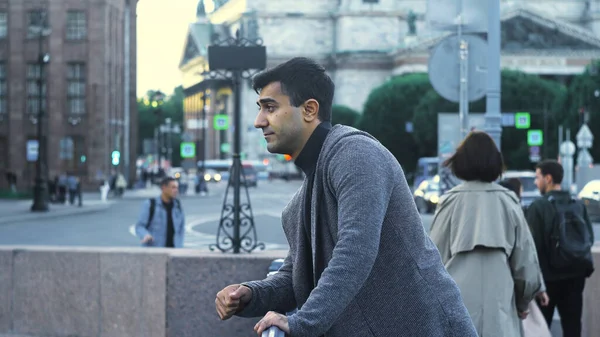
(383, 275)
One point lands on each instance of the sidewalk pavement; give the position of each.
(14, 211)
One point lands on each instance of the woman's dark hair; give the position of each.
(513, 184)
(477, 158)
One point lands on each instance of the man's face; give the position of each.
(541, 181)
(282, 124)
(171, 190)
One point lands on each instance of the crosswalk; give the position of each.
(199, 240)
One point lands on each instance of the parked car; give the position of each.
(250, 175)
(211, 175)
(590, 195)
(274, 267)
(427, 195)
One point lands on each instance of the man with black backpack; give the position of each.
(563, 236)
(161, 222)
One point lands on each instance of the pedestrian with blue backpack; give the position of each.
(563, 236)
(162, 222)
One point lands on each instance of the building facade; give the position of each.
(88, 87)
(363, 43)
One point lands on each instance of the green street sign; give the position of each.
(225, 148)
(535, 137)
(221, 122)
(522, 120)
(188, 150)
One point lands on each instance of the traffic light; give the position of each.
(287, 157)
(116, 157)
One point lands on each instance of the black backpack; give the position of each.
(570, 238)
(153, 207)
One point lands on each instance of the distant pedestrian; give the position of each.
(563, 236)
(482, 235)
(72, 185)
(162, 222)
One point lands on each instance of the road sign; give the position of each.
(522, 120)
(535, 137)
(508, 119)
(225, 147)
(221, 122)
(534, 154)
(187, 150)
(187, 137)
(32, 150)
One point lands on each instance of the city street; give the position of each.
(114, 226)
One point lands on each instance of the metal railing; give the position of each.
(273, 332)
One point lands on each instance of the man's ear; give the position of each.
(310, 110)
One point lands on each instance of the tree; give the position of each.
(341, 114)
(584, 98)
(149, 118)
(521, 92)
(386, 111)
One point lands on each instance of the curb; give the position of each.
(53, 214)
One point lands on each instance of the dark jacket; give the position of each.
(383, 276)
(541, 216)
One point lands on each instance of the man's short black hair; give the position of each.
(552, 168)
(477, 158)
(166, 181)
(301, 79)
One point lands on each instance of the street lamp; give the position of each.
(233, 58)
(156, 101)
(40, 189)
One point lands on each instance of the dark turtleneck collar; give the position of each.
(307, 159)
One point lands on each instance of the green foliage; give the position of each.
(520, 93)
(387, 110)
(341, 114)
(150, 118)
(582, 95)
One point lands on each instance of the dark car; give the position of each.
(427, 195)
(250, 175)
(590, 195)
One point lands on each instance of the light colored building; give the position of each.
(363, 43)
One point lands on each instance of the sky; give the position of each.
(161, 32)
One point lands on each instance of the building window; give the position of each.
(34, 74)
(72, 153)
(76, 25)
(3, 89)
(76, 88)
(3, 24)
(36, 20)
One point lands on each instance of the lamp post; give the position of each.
(40, 189)
(233, 58)
(157, 100)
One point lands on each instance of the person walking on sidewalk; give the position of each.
(359, 263)
(162, 222)
(563, 236)
(484, 240)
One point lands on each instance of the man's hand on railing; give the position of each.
(272, 319)
(273, 332)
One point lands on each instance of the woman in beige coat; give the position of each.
(484, 241)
